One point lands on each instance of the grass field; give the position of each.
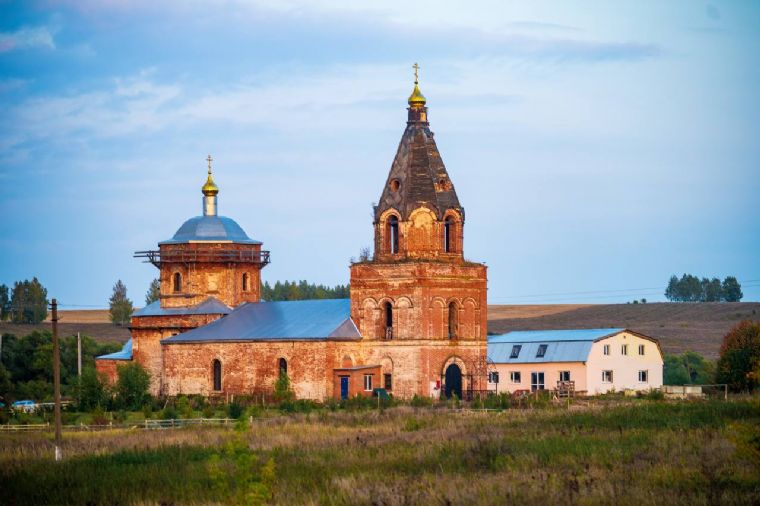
(608, 452)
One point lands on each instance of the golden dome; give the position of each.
(417, 98)
(210, 188)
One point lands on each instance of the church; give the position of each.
(415, 323)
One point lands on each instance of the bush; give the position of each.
(169, 413)
(739, 362)
(235, 410)
(654, 394)
(282, 390)
(208, 412)
(419, 401)
(132, 386)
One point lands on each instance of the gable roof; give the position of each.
(572, 345)
(209, 306)
(278, 321)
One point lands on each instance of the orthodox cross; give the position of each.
(416, 69)
(209, 160)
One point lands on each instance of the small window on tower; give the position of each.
(177, 282)
(393, 234)
(217, 375)
(453, 320)
(283, 366)
(395, 185)
(448, 229)
(388, 320)
(246, 282)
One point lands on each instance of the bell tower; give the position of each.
(418, 289)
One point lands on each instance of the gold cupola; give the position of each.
(210, 191)
(416, 99)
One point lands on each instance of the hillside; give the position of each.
(678, 326)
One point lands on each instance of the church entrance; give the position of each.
(453, 377)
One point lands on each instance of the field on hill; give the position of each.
(697, 327)
(606, 452)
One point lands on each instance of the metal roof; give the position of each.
(210, 228)
(124, 354)
(208, 306)
(286, 320)
(534, 336)
(571, 345)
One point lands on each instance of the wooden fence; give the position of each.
(176, 423)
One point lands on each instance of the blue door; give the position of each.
(344, 387)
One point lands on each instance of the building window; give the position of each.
(177, 282)
(606, 376)
(453, 313)
(283, 367)
(515, 351)
(217, 376)
(368, 382)
(493, 377)
(606, 349)
(641, 349)
(388, 381)
(388, 320)
(643, 376)
(393, 234)
(624, 350)
(448, 228)
(536, 381)
(246, 282)
(541, 350)
(564, 375)
(515, 377)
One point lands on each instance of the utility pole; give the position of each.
(79, 355)
(56, 379)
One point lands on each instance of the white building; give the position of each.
(594, 360)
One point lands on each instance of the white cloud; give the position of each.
(26, 38)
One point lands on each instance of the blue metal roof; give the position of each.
(534, 336)
(208, 306)
(572, 345)
(124, 354)
(286, 320)
(210, 228)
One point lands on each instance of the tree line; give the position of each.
(302, 290)
(26, 302)
(690, 288)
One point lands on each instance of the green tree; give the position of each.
(28, 302)
(132, 386)
(5, 382)
(154, 291)
(121, 306)
(739, 362)
(282, 390)
(731, 290)
(5, 302)
(688, 368)
(92, 390)
(712, 291)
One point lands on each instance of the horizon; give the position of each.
(596, 151)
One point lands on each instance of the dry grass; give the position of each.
(634, 452)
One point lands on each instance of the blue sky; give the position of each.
(598, 147)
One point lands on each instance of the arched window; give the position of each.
(246, 282)
(388, 309)
(283, 367)
(453, 317)
(393, 234)
(448, 231)
(217, 375)
(177, 282)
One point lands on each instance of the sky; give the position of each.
(597, 147)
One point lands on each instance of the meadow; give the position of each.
(612, 452)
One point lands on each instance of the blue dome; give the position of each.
(210, 228)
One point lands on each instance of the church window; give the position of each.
(395, 185)
(246, 282)
(388, 320)
(393, 234)
(368, 382)
(388, 381)
(283, 364)
(448, 229)
(453, 314)
(177, 281)
(217, 375)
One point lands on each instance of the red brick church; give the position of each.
(415, 322)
